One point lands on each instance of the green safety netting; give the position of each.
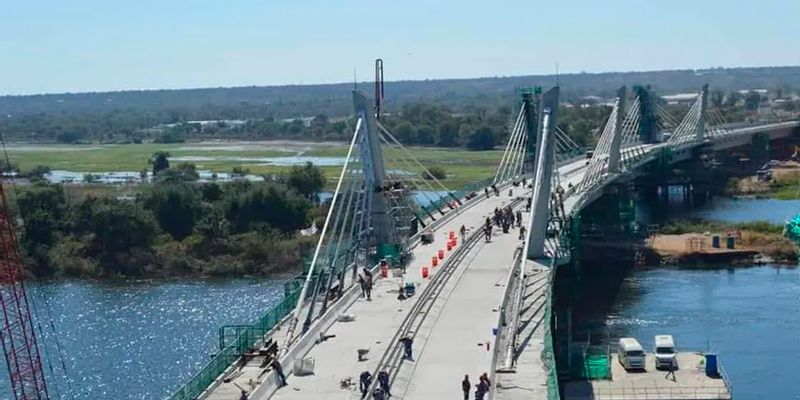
(792, 229)
(591, 363)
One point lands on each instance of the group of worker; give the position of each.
(381, 392)
(481, 388)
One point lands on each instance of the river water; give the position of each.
(750, 315)
(138, 339)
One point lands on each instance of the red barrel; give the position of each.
(450, 245)
(434, 261)
(441, 254)
(452, 234)
(425, 271)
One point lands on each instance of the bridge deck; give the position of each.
(377, 320)
(457, 339)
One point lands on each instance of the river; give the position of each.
(138, 339)
(749, 315)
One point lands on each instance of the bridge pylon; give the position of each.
(543, 173)
(618, 115)
(374, 170)
(649, 132)
(700, 130)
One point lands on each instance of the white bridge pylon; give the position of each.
(371, 215)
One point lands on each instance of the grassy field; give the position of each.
(462, 166)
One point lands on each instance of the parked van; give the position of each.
(630, 354)
(664, 351)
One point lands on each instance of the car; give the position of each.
(631, 354)
(664, 351)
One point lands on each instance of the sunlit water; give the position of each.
(138, 340)
(749, 316)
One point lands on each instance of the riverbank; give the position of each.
(709, 242)
(780, 181)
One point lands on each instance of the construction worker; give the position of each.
(244, 395)
(671, 369)
(519, 218)
(383, 380)
(281, 378)
(364, 380)
(407, 342)
(486, 190)
(463, 233)
(521, 232)
(480, 390)
(465, 386)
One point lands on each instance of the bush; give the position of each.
(435, 172)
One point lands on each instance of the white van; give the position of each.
(664, 351)
(630, 354)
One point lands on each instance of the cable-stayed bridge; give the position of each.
(485, 305)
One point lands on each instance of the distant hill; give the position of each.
(334, 99)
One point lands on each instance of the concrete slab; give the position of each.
(376, 320)
(691, 383)
(458, 340)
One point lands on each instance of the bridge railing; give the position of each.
(233, 345)
(548, 353)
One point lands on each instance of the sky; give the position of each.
(53, 46)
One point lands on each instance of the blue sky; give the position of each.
(97, 45)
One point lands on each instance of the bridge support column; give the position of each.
(616, 140)
(700, 133)
(374, 172)
(648, 122)
(531, 100)
(543, 173)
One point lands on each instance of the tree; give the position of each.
(183, 172)
(38, 172)
(307, 180)
(160, 161)
(434, 172)
(732, 98)
(426, 135)
(42, 207)
(268, 203)
(405, 133)
(448, 134)
(752, 100)
(482, 138)
(176, 207)
(119, 227)
(717, 98)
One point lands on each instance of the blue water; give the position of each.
(743, 210)
(139, 340)
(750, 317)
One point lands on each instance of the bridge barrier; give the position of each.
(232, 346)
(548, 354)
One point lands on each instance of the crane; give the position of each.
(16, 328)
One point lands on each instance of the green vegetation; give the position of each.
(173, 227)
(698, 225)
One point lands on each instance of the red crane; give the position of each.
(17, 334)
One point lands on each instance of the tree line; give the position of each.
(174, 226)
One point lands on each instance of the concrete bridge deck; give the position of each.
(377, 320)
